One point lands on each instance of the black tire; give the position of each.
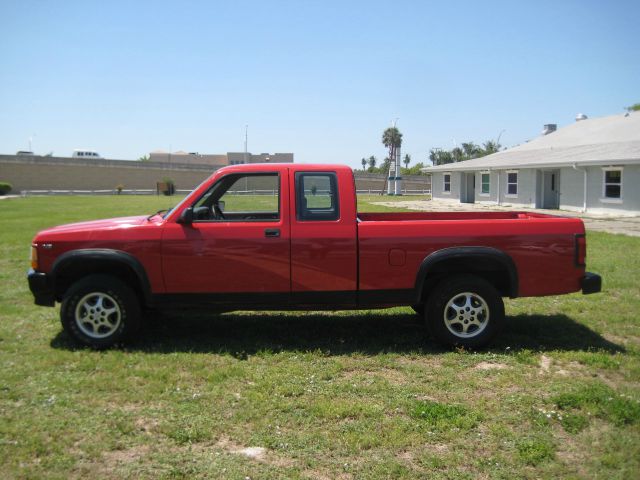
(464, 311)
(100, 311)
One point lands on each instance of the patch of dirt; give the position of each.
(545, 364)
(571, 368)
(490, 366)
(259, 454)
(627, 225)
(126, 456)
(146, 425)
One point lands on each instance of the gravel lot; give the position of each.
(625, 225)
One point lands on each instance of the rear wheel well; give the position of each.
(74, 271)
(492, 270)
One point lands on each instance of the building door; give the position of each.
(468, 187)
(551, 189)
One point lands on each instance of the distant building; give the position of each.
(592, 165)
(230, 158)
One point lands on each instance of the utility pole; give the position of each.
(246, 136)
(391, 173)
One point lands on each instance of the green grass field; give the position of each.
(324, 395)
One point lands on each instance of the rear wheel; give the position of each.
(465, 311)
(100, 311)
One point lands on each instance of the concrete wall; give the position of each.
(375, 182)
(58, 173)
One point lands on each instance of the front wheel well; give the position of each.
(75, 271)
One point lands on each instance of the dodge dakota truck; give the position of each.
(297, 242)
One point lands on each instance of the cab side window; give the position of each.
(238, 197)
(317, 196)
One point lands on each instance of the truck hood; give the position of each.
(95, 225)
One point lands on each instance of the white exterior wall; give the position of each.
(572, 191)
(437, 185)
(492, 197)
(526, 196)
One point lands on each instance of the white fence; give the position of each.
(405, 191)
(26, 193)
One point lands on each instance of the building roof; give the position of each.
(611, 140)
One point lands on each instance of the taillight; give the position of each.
(581, 250)
(34, 257)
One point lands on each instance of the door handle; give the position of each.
(271, 232)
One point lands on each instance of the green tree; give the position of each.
(634, 108)
(364, 164)
(392, 139)
(407, 160)
(468, 151)
(372, 163)
(490, 147)
(384, 168)
(471, 150)
(144, 158)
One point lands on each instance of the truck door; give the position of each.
(323, 238)
(238, 241)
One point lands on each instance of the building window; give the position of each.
(613, 183)
(446, 185)
(512, 184)
(486, 183)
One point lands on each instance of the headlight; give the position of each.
(34, 257)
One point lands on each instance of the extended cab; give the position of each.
(283, 236)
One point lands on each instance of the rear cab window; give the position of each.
(317, 196)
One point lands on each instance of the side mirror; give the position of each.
(186, 216)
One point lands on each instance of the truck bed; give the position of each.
(412, 216)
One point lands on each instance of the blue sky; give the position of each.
(320, 79)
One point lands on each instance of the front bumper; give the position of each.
(591, 283)
(41, 288)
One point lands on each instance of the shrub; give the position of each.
(170, 188)
(119, 188)
(5, 188)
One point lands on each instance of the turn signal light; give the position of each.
(34, 257)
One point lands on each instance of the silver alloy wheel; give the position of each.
(466, 315)
(98, 315)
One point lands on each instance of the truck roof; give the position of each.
(317, 167)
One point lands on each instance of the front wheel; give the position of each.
(466, 311)
(100, 311)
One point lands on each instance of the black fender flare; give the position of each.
(108, 256)
(489, 253)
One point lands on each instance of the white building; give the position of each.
(592, 165)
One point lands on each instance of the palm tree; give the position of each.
(372, 163)
(471, 150)
(392, 139)
(364, 163)
(491, 147)
(407, 160)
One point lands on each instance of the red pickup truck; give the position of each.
(298, 243)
